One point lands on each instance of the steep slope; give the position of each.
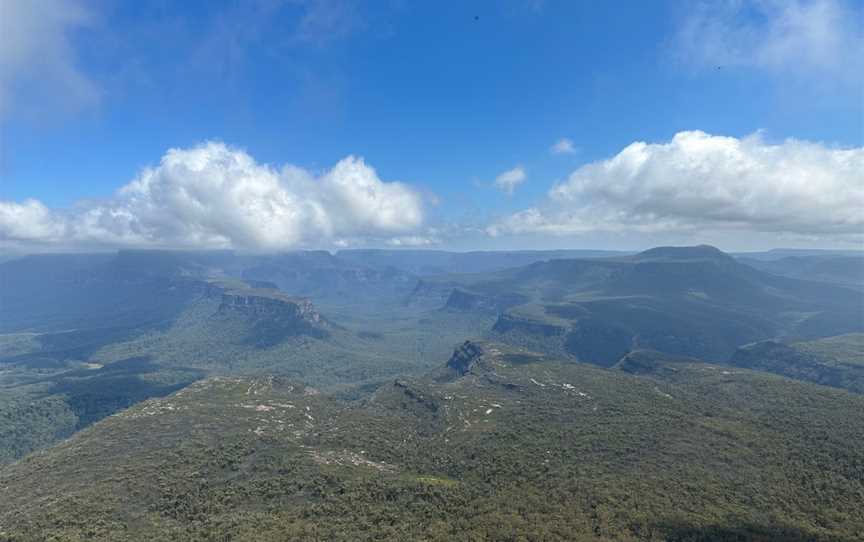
(226, 310)
(168, 318)
(235, 329)
(54, 384)
(499, 444)
(833, 361)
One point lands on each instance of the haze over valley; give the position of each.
(348, 270)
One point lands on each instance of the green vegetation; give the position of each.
(832, 361)
(37, 410)
(223, 326)
(536, 450)
(27, 424)
(171, 382)
(843, 349)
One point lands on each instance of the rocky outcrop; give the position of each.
(533, 334)
(269, 317)
(269, 304)
(465, 357)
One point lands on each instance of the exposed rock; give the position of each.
(465, 357)
(269, 304)
(269, 316)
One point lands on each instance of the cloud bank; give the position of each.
(695, 185)
(699, 182)
(215, 196)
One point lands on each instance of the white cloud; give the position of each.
(823, 37)
(30, 219)
(216, 196)
(510, 179)
(563, 146)
(37, 61)
(412, 241)
(698, 182)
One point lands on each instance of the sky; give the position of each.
(271, 125)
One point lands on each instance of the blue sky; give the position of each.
(442, 97)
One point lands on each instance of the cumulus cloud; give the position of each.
(563, 146)
(37, 60)
(217, 196)
(510, 179)
(699, 182)
(823, 37)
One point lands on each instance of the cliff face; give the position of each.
(268, 317)
(269, 305)
(465, 357)
(539, 336)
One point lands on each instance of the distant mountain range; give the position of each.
(693, 301)
(247, 396)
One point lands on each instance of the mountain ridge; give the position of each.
(521, 445)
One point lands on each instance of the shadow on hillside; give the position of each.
(95, 394)
(742, 532)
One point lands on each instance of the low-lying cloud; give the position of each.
(216, 196)
(699, 182)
